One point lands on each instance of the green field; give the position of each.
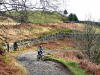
(40, 16)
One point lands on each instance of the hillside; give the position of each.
(46, 17)
(26, 31)
(7, 21)
(40, 16)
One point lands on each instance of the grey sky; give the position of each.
(85, 8)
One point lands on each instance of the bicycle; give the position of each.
(40, 56)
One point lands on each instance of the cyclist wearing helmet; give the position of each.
(40, 50)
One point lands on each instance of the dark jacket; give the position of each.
(40, 50)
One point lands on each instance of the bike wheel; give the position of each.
(39, 57)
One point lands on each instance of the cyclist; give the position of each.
(40, 52)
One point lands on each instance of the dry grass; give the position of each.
(7, 69)
(26, 31)
(14, 63)
(69, 55)
(62, 44)
(20, 32)
(7, 21)
(22, 70)
(73, 26)
(89, 67)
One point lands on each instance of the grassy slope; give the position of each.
(6, 20)
(20, 32)
(8, 66)
(42, 17)
(46, 17)
(72, 66)
(96, 28)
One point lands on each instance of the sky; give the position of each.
(84, 9)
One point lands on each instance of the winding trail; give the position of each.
(34, 67)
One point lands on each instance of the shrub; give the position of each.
(89, 41)
(72, 17)
(2, 50)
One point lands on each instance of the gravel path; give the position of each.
(34, 67)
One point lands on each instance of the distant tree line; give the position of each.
(72, 17)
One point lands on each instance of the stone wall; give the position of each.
(47, 38)
(33, 41)
(43, 39)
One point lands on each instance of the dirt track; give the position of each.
(35, 67)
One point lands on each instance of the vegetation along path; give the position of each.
(34, 67)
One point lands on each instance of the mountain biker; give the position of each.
(40, 50)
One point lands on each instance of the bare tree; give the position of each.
(23, 6)
(18, 10)
(88, 40)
